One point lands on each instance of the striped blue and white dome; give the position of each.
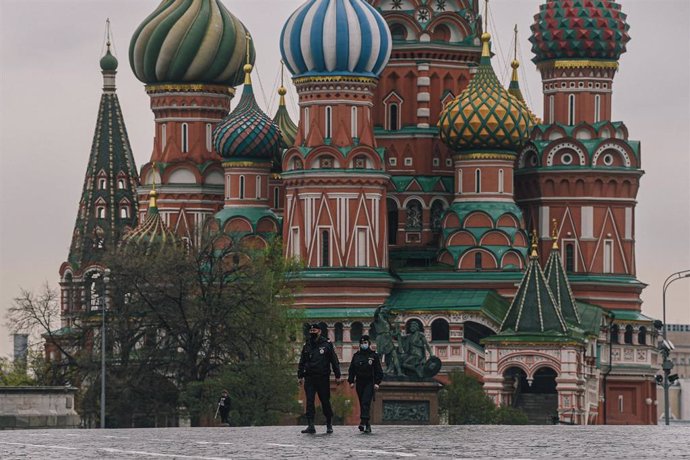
(336, 37)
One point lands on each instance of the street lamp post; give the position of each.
(104, 307)
(666, 346)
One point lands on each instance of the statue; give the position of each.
(385, 347)
(409, 357)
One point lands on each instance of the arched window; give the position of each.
(571, 109)
(398, 32)
(392, 221)
(440, 330)
(338, 329)
(642, 336)
(551, 108)
(209, 136)
(356, 331)
(306, 122)
(120, 184)
(477, 181)
(354, 122)
(164, 136)
(276, 198)
(102, 183)
(614, 333)
(569, 257)
(500, 181)
(329, 122)
(124, 212)
(597, 108)
(324, 329)
(100, 212)
(258, 186)
(241, 187)
(414, 215)
(628, 336)
(185, 138)
(437, 209)
(393, 114)
(325, 248)
(478, 261)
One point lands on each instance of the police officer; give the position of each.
(365, 370)
(315, 363)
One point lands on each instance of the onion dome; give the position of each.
(190, 41)
(108, 62)
(579, 29)
(152, 231)
(485, 116)
(247, 133)
(336, 37)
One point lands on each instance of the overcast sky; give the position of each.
(50, 86)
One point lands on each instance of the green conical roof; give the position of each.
(108, 207)
(534, 308)
(560, 287)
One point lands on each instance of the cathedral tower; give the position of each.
(334, 176)
(108, 208)
(190, 56)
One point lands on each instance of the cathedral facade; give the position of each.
(413, 179)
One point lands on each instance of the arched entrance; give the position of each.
(539, 398)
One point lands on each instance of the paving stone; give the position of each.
(422, 442)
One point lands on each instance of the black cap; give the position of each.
(364, 338)
(314, 326)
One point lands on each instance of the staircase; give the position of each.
(539, 408)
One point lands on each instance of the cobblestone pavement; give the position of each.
(421, 442)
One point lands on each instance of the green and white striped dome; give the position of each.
(190, 41)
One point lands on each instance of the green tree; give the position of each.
(464, 401)
(14, 374)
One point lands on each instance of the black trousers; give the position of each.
(224, 414)
(320, 385)
(365, 393)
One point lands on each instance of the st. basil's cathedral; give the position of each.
(413, 179)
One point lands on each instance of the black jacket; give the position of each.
(365, 367)
(224, 403)
(317, 359)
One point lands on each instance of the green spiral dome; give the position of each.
(190, 41)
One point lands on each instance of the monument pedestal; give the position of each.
(404, 402)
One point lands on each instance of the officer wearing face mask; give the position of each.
(366, 373)
(315, 363)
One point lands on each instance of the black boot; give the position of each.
(329, 426)
(310, 427)
(361, 425)
(367, 428)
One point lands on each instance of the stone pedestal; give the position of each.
(38, 407)
(406, 403)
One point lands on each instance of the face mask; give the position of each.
(364, 346)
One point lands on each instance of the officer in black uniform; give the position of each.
(315, 363)
(365, 370)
